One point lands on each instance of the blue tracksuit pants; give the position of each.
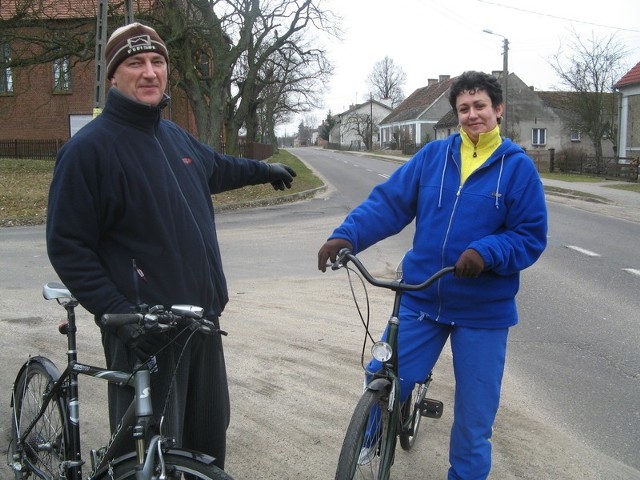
(478, 365)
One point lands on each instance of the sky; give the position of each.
(429, 38)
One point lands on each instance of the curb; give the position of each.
(266, 202)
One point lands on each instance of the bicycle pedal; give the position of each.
(431, 408)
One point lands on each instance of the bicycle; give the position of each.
(379, 418)
(45, 421)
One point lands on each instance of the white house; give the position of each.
(353, 130)
(629, 114)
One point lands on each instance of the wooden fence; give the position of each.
(33, 149)
(48, 149)
(615, 168)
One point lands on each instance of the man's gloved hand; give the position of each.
(144, 344)
(469, 265)
(329, 251)
(280, 176)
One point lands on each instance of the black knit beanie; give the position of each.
(130, 40)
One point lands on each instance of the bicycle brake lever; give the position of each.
(207, 327)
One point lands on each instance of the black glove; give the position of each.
(144, 344)
(469, 265)
(280, 175)
(329, 251)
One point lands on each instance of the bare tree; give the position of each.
(360, 124)
(243, 41)
(590, 70)
(288, 84)
(386, 81)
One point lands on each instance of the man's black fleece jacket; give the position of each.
(130, 217)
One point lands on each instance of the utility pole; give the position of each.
(505, 74)
(101, 43)
(371, 119)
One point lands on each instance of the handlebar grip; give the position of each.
(120, 319)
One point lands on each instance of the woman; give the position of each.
(478, 204)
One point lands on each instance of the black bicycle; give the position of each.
(380, 417)
(45, 421)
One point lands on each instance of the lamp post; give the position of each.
(505, 73)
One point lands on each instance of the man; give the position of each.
(131, 221)
(478, 204)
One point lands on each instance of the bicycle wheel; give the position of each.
(178, 466)
(40, 452)
(369, 444)
(411, 416)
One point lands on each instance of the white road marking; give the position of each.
(632, 271)
(584, 251)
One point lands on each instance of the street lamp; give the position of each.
(505, 72)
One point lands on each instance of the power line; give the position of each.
(559, 18)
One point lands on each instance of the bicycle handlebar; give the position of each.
(345, 255)
(158, 318)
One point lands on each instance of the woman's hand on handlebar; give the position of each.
(469, 265)
(329, 251)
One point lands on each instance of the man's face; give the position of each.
(142, 77)
(476, 114)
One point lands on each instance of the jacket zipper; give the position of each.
(444, 244)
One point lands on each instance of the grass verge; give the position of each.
(24, 188)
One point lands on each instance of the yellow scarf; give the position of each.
(474, 155)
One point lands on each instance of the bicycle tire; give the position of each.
(178, 466)
(380, 439)
(411, 416)
(45, 447)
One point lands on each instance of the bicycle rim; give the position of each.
(411, 416)
(177, 467)
(368, 448)
(44, 447)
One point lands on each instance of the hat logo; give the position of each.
(140, 43)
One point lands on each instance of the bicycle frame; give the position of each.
(388, 378)
(385, 381)
(136, 415)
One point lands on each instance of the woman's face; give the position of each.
(476, 115)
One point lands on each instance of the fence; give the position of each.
(48, 149)
(617, 168)
(34, 149)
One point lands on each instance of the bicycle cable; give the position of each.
(364, 322)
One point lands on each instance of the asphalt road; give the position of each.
(294, 345)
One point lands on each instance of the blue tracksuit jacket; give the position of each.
(500, 212)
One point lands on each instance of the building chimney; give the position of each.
(497, 74)
(444, 78)
(432, 81)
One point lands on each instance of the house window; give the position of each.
(62, 75)
(6, 75)
(539, 136)
(575, 135)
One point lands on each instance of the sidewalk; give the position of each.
(612, 202)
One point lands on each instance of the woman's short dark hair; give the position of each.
(472, 80)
